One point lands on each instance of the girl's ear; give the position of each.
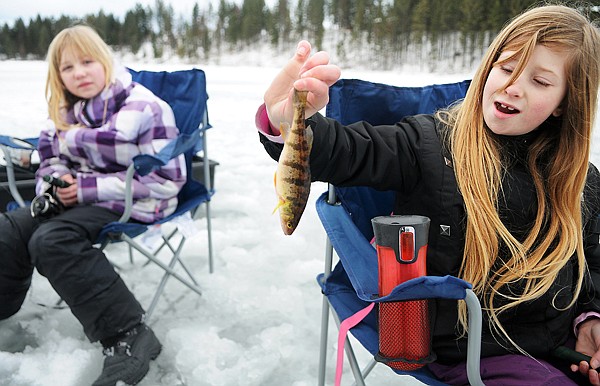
(558, 111)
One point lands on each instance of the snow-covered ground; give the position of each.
(258, 320)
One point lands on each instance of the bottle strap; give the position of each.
(345, 326)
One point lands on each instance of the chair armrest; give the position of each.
(346, 238)
(359, 257)
(146, 163)
(474, 341)
(128, 194)
(19, 143)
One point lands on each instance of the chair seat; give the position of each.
(193, 193)
(353, 284)
(342, 297)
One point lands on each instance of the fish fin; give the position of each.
(284, 128)
(309, 138)
(279, 204)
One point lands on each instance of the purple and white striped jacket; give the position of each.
(101, 145)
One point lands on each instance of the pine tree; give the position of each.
(253, 19)
(392, 31)
(136, 28)
(280, 23)
(165, 20)
(233, 33)
(301, 23)
(7, 43)
(316, 17)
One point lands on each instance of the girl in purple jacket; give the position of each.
(99, 120)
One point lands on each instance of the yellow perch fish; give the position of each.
(292, 179)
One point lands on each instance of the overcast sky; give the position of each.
(11, 10)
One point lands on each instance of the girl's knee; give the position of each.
(56, 246)
(48, 243)
(37, 245)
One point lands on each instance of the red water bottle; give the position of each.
(404, 332)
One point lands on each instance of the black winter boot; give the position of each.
(128, 359)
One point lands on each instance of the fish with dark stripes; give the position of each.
(292, 179)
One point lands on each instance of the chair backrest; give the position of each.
(353, 100)
(185, 92)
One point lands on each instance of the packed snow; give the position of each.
(258, 320)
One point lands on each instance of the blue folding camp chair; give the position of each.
(185, 92)
(346, 215)
(19, 172)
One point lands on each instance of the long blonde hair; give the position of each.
(536, 261)
(85, 41)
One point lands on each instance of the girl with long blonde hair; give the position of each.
(507, 170)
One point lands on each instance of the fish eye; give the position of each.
(290, 225)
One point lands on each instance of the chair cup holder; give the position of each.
(404, 335)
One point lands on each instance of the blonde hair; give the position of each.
(82, 40)
(557, 231)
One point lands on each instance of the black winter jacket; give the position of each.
(409, 158)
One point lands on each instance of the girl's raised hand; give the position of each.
(305, 73)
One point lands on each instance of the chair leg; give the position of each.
(208, 184)
(325, 307)
(176, 253)
(130, 254)
(165, 243)
(163, 281)
(176, 258)
(191, 283)
(369, 367)
(323, 344)
(325, 316)
(210, 244)
(159, 290)
(211, 267)
(176, 275)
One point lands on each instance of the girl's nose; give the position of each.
(514, 90)
(79, 71)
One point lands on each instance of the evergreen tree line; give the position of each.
(382, 33)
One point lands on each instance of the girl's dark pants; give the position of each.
(61, 249)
